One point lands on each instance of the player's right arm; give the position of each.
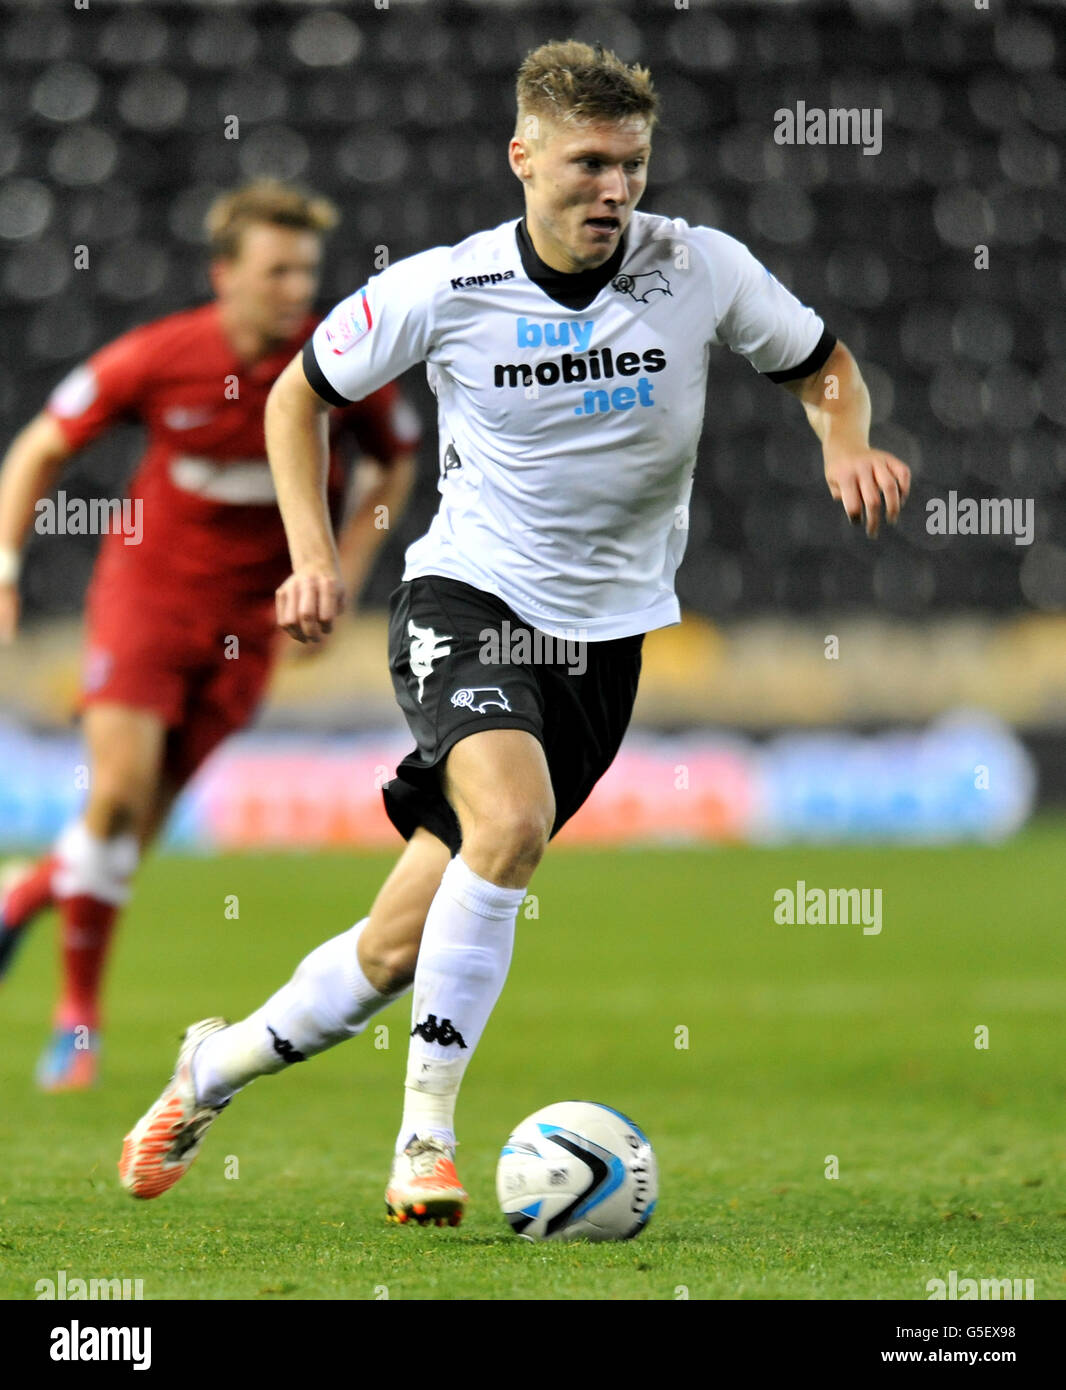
(91, 398)
(297, 437)
(30, 467)
(368, 339)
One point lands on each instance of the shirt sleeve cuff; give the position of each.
(818, 358)
(316, 378)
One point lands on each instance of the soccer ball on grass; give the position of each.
(577, 1170)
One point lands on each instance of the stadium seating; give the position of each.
(111, 136)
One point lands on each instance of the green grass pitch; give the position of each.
(803, 1042)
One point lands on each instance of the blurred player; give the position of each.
(568, 351)
(180, 612)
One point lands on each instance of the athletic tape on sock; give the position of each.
(91, 867)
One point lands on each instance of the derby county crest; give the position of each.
(642, 287)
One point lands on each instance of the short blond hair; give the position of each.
(267, 202)
(570, 82)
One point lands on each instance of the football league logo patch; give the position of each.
(642, 287)
(349, 323)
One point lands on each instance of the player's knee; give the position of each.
(525, 833)
(396, 968)
(516, 837)
(388, 965)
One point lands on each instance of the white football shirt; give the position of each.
(567, 436)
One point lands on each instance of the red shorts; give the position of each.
(201, 665)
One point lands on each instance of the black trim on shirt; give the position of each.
(574, 290)
(818, 358)
(316, 378)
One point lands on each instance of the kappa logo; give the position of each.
(443, 1033)
(425, 649)
(642, 287)
(285, 1049)
(472, 282)
(451, 460)
(480, 698)
(350, 321)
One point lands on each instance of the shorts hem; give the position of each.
(501, 721)
(170, 718)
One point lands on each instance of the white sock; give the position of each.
(327, 1000)
(462, 964)
(91, 867)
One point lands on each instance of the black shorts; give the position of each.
(470, 663)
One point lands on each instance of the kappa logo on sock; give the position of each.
(444, 1032)
(285, 1049)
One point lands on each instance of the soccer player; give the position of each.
(181, 626)
(568, 351)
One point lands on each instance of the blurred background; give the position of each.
(939, 710)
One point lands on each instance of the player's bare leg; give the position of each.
(95, 859)
(25, 892)
(332, 996)
(167, 792)
(500, 788)
(388, 948)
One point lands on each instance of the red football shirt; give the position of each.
(208, 510)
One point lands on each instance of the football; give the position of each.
(577, 1170)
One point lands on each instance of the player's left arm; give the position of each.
(838, 407)
(387, 433)
(382, 492)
